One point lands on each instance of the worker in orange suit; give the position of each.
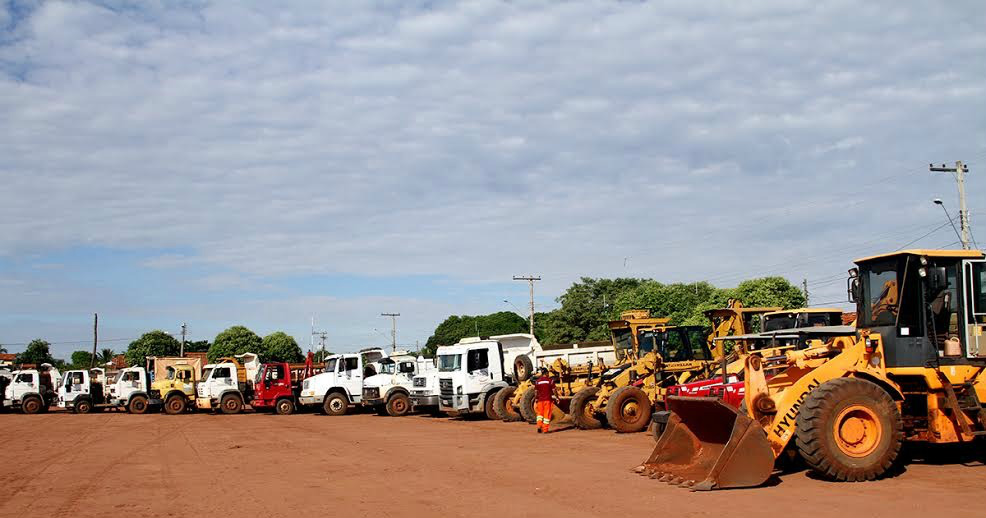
(544, 386)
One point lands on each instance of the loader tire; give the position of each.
(231, 404)
(31, 405)
(505, 407)
(489, 407)
(583, 410)
(284, 407)
(399, 405)
(628, 410)
(523, 368)
(527, 406)
(849, 430)
(335, 404)
(174, 405)
(83, 407)
(137, 405)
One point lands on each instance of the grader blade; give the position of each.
(709, 445)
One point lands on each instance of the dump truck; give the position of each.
(658, 356)
(913, 368)
(83, 391)
(471, 372)
(340, 386)
(277, 386)
(32, 390)
(572, 366)
(389, 391)
(227, 384)
(174, 380)
(425, 392)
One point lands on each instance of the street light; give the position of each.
(514, 306)
(942, 205)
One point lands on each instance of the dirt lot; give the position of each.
(364, 465)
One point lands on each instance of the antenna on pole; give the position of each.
(393, 328)
(530, 280)
(959, 172)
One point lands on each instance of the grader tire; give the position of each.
(628, 410)
(583, 413)
(399, 405)
(849, 430)
(174, 405)
(31, 405)
(505, 407)
(523, 368)
(489, 407)
(137, 405)
(527, 406)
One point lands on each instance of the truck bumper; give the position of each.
(203, 403)
(373, 402)
(311, 400)
(463, 403)
(424, 401)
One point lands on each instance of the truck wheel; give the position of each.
(504, 403)
(284, 407)
(83, 407)
(489, 407)
(231, 404)
(335, 404)
(849, 429)
(174, 405)
(583, 409)
(138, 405)
(398, 405)
(31, 405)
(628, 410)
(527, 406)
(523, 368)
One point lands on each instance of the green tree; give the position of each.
(455, 327)
(80, 359)
(769, 291)
(198, 346)
(586, 307)
(281, 347)
(153, 343)
(105, 356)
(233, 341)
(36, 352)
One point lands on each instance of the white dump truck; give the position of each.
(82, 391)
(424, 392)
(32, 390)
(227, 384)
(472, 371)
(341, 384)
(389, 391)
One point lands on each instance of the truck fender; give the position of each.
(135, 394)
(340, 390)
(235, 392)
(396, 390)
(174, 392)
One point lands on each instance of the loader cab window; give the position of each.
(892, 295)
(449, 362)
(676, 347)
(775, 322)
(623, 341)
(647, 341)
(478, 360)
(698, 338)
(977, 293)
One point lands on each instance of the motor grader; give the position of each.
(662, 356)
(914, 368)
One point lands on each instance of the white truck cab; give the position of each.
(341, 384)
(389, 391)
(424, 392)
(32, 390)
(82, 390)
(471, 372)
(228, 384)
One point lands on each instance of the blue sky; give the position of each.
(245, 163)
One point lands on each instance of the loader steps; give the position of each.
(962, 400)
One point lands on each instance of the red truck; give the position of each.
(278, 385)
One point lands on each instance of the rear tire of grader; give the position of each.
(628, 410)
(399, 405)
(849, 430)
(582, 409)
(137, 405)
(174, 405)
(504, 405)
(527, 406)
(284, 407)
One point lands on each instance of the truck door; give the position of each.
(24, 382)
(351, 370)
(478, 368)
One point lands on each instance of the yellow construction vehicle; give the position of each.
(661, 356)
(913, 368)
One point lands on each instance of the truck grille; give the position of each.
(446, 386)
(371, 393)
(420, 382)
(154, 394)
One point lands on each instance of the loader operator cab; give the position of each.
(929, 306)
(626, 332)
(676, 344)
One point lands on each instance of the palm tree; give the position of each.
(105, 355)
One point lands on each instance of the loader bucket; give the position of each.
(709, 445)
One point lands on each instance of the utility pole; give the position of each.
(184, 329)
(322, 335)
(393, 327)
(95, 338)
(804, 287)
(530, 280)
(959, 171)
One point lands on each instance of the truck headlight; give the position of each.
(458, 390)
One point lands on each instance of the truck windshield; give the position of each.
(170, 375)
(449, 362)
(330, 364)
(387, 366)
(206, 372)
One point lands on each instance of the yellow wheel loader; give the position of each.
(662, 356)
(914, 368)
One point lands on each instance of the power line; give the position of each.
(530, 280)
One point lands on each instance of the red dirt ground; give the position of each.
(107, 465)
